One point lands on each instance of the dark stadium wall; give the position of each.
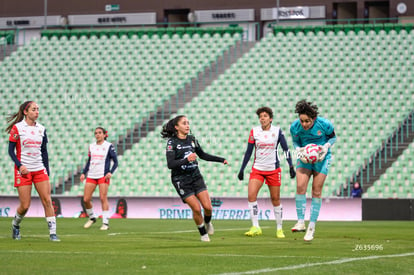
(14, 8)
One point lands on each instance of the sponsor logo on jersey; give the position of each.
(319, 132)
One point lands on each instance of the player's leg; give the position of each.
(205, 201)
(255, 183)
(273, 181)
(43, 189)
(319, 176)
(103, 195)
(194, 204)
(24, 192)
(317, 185)
(302, 179)
(87, 199)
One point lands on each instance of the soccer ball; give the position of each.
(311, 153)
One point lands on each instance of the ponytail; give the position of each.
(168, 130)
(12, 119)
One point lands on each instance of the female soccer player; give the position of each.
(308, 129)
(28, 150)
(266, 167)
(99, 173)
(182, 151)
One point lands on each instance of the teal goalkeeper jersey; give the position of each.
(320, 133)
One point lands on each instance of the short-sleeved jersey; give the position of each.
(266, 143)
(182, 148)
(318, 134)
(29, 141)
(100, 156)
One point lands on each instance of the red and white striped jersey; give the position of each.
(266, 142)
(29, 141)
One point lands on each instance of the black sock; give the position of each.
(202, 230)
(207, 219)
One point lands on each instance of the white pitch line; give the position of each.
(340, 261)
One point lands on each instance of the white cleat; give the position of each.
(309, 234)
(299, 227)
(89, 223)
(104, 227)
(205, 238)
(210, 228)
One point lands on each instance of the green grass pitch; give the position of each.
(141, 246)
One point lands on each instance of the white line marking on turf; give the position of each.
(340, 261)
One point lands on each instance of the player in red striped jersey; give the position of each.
(266, 167)
(28, 150)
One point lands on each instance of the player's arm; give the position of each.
(247, 155)
(331, 140)
(283, 143)
(205, 156)
(45, 155)
(88, 163)
(297, 144)
(173, 163)
(114, 158)
(12, 154)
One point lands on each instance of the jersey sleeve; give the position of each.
(14, 134)
(251, 137)
(295, 137)
(114, 158)
(203, 155)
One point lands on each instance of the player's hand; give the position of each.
(108, 176)
(323, 151)
(23, 170)
(301, 154)
(82, 177)
(240, 176)
(225, 162)
(292, 172)
(192, 157)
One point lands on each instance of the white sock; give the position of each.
(278, 216)
(254, 213)
(301, 221)
(105, 217)
(51, 223)
(312, 225)
(17, 219)
(90, 213)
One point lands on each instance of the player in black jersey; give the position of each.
(182, 151)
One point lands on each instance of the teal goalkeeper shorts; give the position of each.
(320, 167)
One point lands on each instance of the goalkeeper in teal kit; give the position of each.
(310, 129)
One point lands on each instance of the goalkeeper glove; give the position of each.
(241, 175)
(292, 172)
(301, 154)
(323, 151)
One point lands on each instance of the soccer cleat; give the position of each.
(209, 228)
(104, 226)
(309, 234)
(254, 231)
(16, 232)
(54, 238)
(299, 227)
(280, 234)
(89, 223)
(205, 238)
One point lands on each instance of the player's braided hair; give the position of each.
(18, 116)
(304, 107)
(266, 110)
(168, 130)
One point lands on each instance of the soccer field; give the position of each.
(134, 246)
